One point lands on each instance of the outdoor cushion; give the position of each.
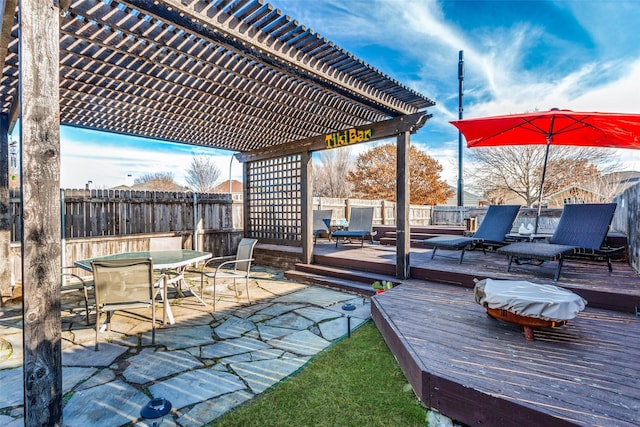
(537, 250)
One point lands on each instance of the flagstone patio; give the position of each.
(205, 364)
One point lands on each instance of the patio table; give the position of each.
(162, 261)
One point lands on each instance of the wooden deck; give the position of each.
(480, 371)
(619, 290)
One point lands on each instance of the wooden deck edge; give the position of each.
(454, 400)
(378, 268)
(409, 362)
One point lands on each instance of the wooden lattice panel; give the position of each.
(274, 195)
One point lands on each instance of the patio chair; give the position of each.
(360, 226)
(237, 268)
(74, 281)
(124, 284)
(497, 222)
(174, 277)
(582, 227)
(321, 223)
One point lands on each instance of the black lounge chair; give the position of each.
(360, 226)
(582, 227)
(493, 229)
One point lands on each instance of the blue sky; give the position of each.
(519, 56)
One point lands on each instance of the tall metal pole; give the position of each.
(460, 110)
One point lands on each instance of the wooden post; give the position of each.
(306, 206)
(403, 233)
(40, 143)
(6, 290)
(248, 228)
(383, 207)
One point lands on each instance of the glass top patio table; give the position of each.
(162, 260)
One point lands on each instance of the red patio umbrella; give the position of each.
(561, 127)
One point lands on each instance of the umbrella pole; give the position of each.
(544, 172)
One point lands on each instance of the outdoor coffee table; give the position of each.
(162, 261)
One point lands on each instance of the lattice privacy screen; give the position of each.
(274, 193)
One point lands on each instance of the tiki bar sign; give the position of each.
(347, 137)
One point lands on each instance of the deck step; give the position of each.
(339, 278)
(415, 243)
(329, 282)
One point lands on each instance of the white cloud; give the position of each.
(109, 165)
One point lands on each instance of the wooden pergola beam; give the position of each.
(385, 129)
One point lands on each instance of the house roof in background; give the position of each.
(230, 74)
(223, 187)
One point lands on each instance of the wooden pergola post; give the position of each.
(5, 214)
(306, 206)
(403, 232)
(40, 159)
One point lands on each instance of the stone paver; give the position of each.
(234, 327)
(106, 405)
(320, 296)
(231, 347)
(278, 309)
(304, 343)
(73, 376)
(205, 364)
(336, 328)
(205, 412)
(12, 388)
(152, 365)
(196, 386)
(317, 314)
(184, 337)
(272, 332)
(291, 321)
(82, 355)
(263, 374)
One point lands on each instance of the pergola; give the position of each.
(230, 74)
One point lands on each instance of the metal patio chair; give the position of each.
(124, 284)
(233, 267)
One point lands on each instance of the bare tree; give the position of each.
(202, 174)
(330, 174)
(157, 181)
(502, 173)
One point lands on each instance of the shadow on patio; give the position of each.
(205, 364)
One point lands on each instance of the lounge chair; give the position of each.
(497, 222)
(582, 227)
(321, 223)
(360, 226)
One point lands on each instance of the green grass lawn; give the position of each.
(357, 382)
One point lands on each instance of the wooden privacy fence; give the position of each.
(93, 213)
(384, 212)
